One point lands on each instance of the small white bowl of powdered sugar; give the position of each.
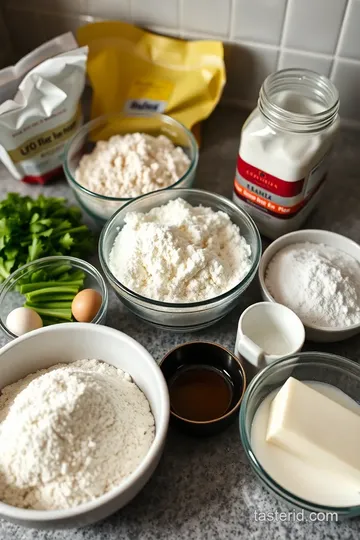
(315, 273)
(84, 412)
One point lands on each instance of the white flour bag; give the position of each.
(40, 108)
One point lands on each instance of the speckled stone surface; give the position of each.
(205, 489)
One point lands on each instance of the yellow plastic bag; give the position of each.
(132, 70)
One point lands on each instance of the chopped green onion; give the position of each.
(49, 305)
(32, 287)
(58, 313)
(49, 291)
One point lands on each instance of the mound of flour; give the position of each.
(70, 434)
(131, 165)
(320, 283)
(180, 253)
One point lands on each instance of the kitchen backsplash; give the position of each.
(260, 35)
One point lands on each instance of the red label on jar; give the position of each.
(273, 195)
(267, 182)
(267, 205)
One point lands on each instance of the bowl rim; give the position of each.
(260, 472)
(89, 268)
(184, 305)
(161, 428)
(89, 125)
(294, 234)
(277, 306)
(233, 409)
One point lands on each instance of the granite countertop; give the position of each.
(204, 488)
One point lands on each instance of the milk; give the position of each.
(302, 479)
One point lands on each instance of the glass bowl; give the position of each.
(11, 298)
(101, 207)
(176, 316)
(309, 366)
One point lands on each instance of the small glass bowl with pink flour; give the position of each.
(322, 270)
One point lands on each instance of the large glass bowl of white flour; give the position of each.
(180, 259)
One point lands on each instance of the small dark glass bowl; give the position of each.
(201, 353)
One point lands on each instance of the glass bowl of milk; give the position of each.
(303, 483)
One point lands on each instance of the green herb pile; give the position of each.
(34, 228)
(50, 293)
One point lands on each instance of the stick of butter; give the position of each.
(315, 428)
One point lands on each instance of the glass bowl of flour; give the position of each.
(117, 158)
(180, 259)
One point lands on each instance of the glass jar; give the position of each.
(284, 150)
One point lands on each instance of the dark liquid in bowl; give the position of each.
(200, 393)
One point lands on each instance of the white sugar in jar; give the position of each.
(285, 148)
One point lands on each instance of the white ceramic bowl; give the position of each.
(313, 333)
(66, 343)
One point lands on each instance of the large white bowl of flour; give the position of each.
(326, 293)
(66, 344)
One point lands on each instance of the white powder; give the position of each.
(180, 253)
(70, 433)
(320, 283)
(131, 165)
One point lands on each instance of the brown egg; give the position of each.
(86, 304)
